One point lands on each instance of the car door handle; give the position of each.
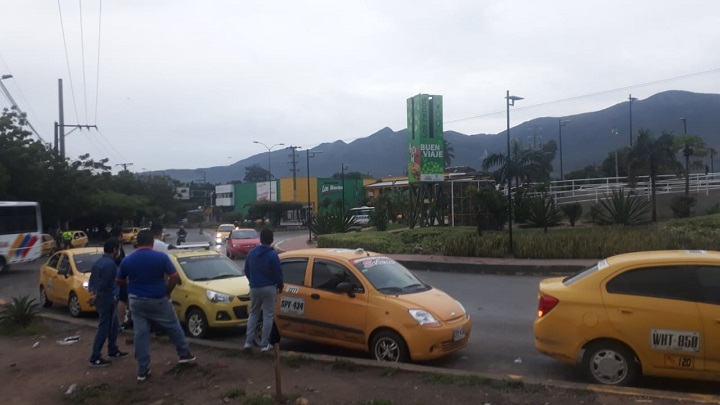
(315, 296)
(625, 310)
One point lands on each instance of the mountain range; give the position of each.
(587, 140)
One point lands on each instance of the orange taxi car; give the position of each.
(652, 313)
(366, 301)
(64, 279)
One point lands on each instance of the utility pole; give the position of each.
(294, 170)
(61, 124)
(17, 107)
(124, 165)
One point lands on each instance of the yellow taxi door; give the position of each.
(709, 307)
(337, 316)
(49, 276)
(62, 280)
(652, 309)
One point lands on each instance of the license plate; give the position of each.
(458, 334)
(675, 361)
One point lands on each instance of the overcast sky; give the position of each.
(188, 84)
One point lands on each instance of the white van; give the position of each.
(361, 215)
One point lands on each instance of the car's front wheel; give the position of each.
(197, 324)
(74, 305)
(44, 301)
(610, 363)
(389, 346)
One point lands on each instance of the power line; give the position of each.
(103, 137)
(82, 53)
(22, 96)
(716, 70)
(67, 60)
(97, 78)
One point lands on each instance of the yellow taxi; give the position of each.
(79, 239)
(223, 232)
(64, 279)
(129, 234)
(49, 245)
(366, 301)
(213, 290)
(651, 313)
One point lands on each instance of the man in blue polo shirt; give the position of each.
(144, 272)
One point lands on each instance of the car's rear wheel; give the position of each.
(229, 254)
(389, 346)
(44, 301)
(197, 324)
(610, 363)
(3, 265)
(74, 305)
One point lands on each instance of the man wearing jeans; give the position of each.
(103, 295)
(144, 272)
(262, 268)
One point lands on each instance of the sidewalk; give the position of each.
(479, 265)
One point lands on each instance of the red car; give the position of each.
(240, 242)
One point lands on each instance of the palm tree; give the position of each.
(448, 154)
(524, 165)
(690, 145)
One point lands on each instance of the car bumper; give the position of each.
(227, 315)
(431, 343)
(241, 251)
(556, 340)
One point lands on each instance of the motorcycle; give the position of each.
(180, 238)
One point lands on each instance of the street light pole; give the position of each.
(561, 123)
(614, 132)
(269, 148)
(343, 167)
(509, 101)
(684, 120)
(630, 100)
(310, 211)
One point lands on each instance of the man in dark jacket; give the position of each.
(103, 295)
(262, 268)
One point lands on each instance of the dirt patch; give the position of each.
(38, 369)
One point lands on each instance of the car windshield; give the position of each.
(127, 230)
(584, 273)
(250, 234)
(389, 276)
(85, 261)
(204, 268)
(225, 228)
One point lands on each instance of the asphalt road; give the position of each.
(502, 308)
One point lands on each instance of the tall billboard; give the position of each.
(426, 160)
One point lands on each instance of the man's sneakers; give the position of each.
(144, 376)
(247, 346)
(186, 358)
(118, 355)
(99, 363)
(267, 348)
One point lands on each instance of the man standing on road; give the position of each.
(67, 239)
(262, 268)
(144, 270)
(158, 244)
(122, 304)
(103, 295)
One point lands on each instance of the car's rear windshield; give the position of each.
(225, 228)
(388, 276)
(244, 235)
(204, 268)
(128, 230)
(85, 261)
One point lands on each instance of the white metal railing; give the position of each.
(583, 190)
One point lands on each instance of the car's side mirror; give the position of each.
(347, 288)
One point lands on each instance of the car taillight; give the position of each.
(545, 304)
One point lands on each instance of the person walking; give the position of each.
(103, 295)
(67, 239)
(144, 272)
(262, 268)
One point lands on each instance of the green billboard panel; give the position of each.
(426, 160)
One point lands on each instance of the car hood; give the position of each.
(232, 286)
(437, 302)
(246, 241)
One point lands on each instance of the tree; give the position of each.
(448, 154)
(690, 145)
(525, 165)
(256, 174)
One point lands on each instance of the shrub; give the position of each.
(380, 218)
(20, 312)
(543, 212)
(572, 212)
(621, 209)
(331, 220)
(681, 206)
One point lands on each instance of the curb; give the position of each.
(627, 391)
(482, 268)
